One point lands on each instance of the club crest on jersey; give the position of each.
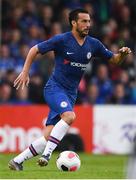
(63, 104)
(89, 54)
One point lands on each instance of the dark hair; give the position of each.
(73, 15)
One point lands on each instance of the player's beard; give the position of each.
(82, 33)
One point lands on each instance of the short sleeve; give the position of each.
(102, 51)
(49, 45)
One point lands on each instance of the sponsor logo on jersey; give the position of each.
(79, 65)
(76, 64)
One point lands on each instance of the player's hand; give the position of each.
(21, 81)
(124, 51)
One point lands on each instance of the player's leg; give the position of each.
(61, 103)
(37, 147)
(56, 135)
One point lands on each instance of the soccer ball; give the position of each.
(68, 161)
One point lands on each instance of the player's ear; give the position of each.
(73, 23)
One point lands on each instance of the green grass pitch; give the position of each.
(92, 167)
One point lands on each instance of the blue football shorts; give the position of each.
(59, 101)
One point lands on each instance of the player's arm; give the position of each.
(117, 59)
(23, 78)
(50, 45)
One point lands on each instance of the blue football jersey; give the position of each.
(71, 59)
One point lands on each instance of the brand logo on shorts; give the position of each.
(63, 104)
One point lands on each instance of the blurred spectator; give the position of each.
(124, 79)
(29, 16)
(114, 70)
(6, 62)
(133, 93)
(93, 95)
(21, 97)
(15, 20)
(125, 38)
(33, 36)
(10, 76)
(15, 42)
(118, 96)
(26, 23)
(24, 48)
(110, 29)
(65, 21)
(124, 18)
(5, 93)
(56, 28)
(130, 66)
(47, 17)
(36, 89)
(103, 82)
(117, 7)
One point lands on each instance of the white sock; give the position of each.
(36, 148)
(57, 133)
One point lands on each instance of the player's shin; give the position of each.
(36, 148)
(57, 133)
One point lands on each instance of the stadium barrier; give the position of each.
(20, 125)
(104, 129)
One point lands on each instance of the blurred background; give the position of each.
(28, 22)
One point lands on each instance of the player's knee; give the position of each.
(69, 117)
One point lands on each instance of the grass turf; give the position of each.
(92, 167)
